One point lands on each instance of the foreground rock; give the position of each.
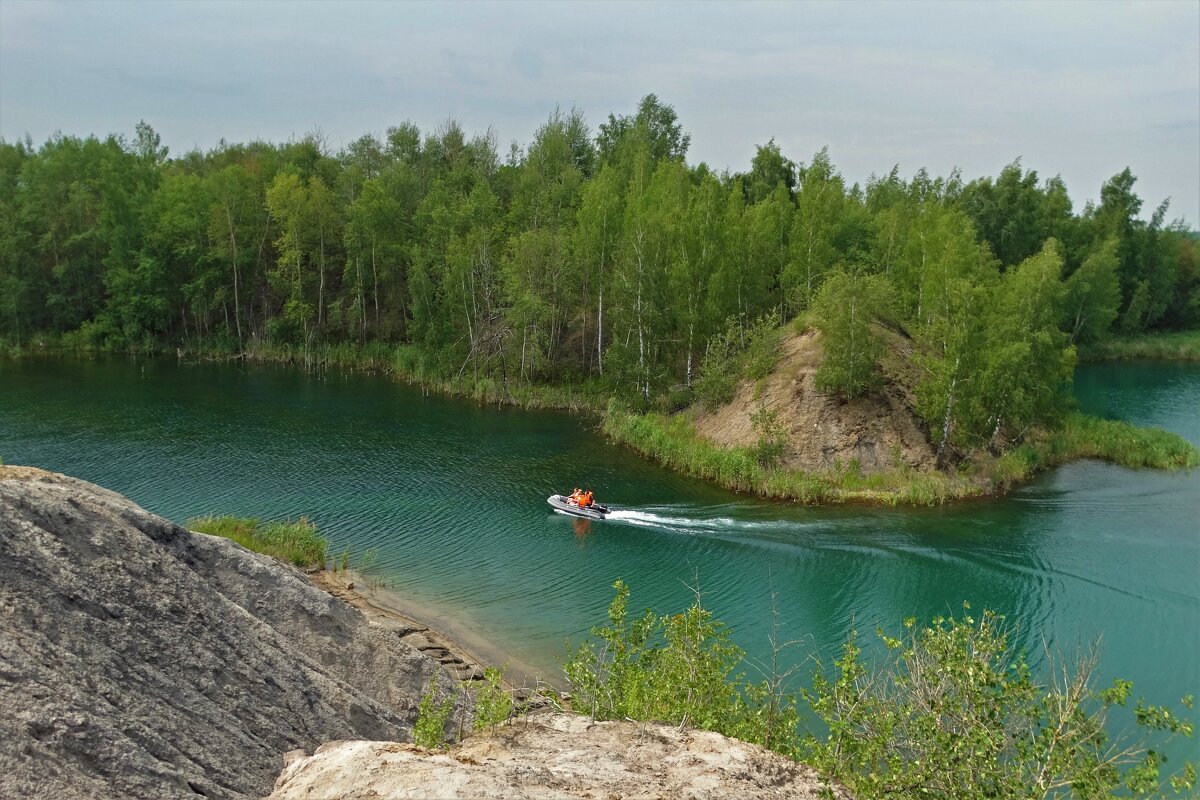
(138, 659)
(553, 755)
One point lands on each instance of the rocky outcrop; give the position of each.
(554, 755)
(138, 659)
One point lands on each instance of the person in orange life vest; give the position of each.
(575, 495)
(586, 500)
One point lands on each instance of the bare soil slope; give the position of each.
(880, 430)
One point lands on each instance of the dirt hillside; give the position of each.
(880, 430)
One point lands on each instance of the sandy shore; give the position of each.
(464, 659)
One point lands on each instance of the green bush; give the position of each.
(772, 436)
(433, 713)
(953, 713)
(949, 713)
(762, 345)
(740, 351)
(719, 370)
(493, 703)
(676, 669)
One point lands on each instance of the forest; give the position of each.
(584, 257)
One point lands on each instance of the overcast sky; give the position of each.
(1082, 90)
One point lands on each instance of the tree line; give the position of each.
(581, 256)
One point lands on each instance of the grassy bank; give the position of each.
(674, 443)
(671, 440)
(293, 542)
(1173, 346)
(403, 362)
(1084, 436)
(412, 365)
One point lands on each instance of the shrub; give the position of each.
(676, 669)
(740, 351)
(433, 714)
(951, 713)
(493, 703)
(762, 345)
(772, 436)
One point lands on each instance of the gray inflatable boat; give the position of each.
(565, 506)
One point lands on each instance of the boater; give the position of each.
(575, 496)
(586, 499)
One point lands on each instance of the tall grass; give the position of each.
(1172, 346)
(1084, 436)
(673, 442)
(416, 366)
(294, 542)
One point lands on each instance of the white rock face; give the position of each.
(553, 755)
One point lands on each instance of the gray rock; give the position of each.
(138, 659)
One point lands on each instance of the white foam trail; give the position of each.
(681, 523)
(648, 520)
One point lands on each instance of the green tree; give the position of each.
(1027, 360)
(597, 236)
(945, 278)
(741, 283)
(652, 205)
(543, 288)
(287, 199)
(820, 212)
(235, 217)
(698, 251)
(767, 246)
(768, 169)
(845, 310)
(1014, 214)
(655, 124)
(20, 281)
(1093, 294)
(323, 216)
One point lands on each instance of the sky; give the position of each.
(1080, 90)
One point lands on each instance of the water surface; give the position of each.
(451, 496)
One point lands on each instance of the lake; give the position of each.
(450, 498)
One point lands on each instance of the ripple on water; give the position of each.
(452, 499)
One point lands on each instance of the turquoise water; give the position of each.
(452, 498)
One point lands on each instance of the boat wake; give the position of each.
(719, 521)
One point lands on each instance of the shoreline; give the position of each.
(735, 469)
(464, 655)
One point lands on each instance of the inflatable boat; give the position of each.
(565, 506)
